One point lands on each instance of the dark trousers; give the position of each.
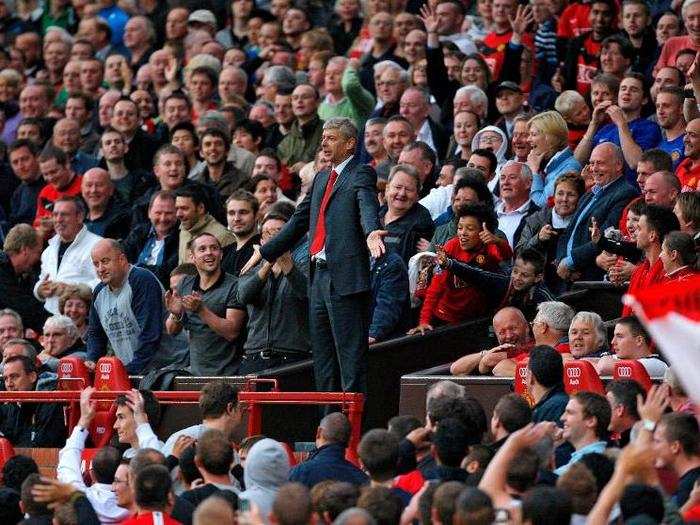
(339, 327)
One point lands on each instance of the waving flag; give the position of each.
(671, 314)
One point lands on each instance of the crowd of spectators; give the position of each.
(184, 186)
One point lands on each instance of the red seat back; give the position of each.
(632, 369)
(110, 375)
(520, 381)
(7, 451)
(581, 376)
(72, 375)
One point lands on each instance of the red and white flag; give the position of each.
(671, 314)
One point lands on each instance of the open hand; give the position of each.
(52, 492)
(420, 329)
(253, 261)
(375, 243)
(429, 18)
(135, 402)
(523, 18)
(88, 407)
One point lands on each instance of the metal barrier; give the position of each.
(351, 405)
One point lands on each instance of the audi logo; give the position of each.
(624, 371)
(573, 373)
(105, 368)
(100, 430)
(66, 368)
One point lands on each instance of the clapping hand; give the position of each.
(173, 302)
(192, 302)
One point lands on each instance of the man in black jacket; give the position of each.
(29, 424)
(22, 252)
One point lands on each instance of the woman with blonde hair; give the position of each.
(75, 303)
(550, 156)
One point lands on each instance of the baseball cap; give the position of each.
(203, 16)
(509, 85)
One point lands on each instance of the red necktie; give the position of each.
(319, 238)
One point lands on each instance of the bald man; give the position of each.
(513, 336)
(107, 214)
(662, 188)
(127, 310)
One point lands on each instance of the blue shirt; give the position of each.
(675, 148)
(645, 133)
(594, 448)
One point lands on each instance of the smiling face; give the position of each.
(466, 124)
(524, 275)
(574, 422)
(468, 229)
(206, 254)
(77, 310)
(125, 425)
(170, 171)
(401, 193)
(565, 199)
(97, 188)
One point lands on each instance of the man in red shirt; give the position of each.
(688, 171)
(154, 498)
(654, 224)
(61, 180)
(496, 41)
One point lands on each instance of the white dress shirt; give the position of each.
(339, 170)
(508, 221)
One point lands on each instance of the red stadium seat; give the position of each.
(632, 369)
(72, 375)
(110, 375)
(520, 381)
(581, 376)
(7, 451)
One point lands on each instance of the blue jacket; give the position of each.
(606, 206)
(328, 462)
(543, 184)
(390, 299)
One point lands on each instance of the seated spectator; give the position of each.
(154, 245)
(586, 421)
(292, 506)
(66, 259)
(679, 256)
(61, 181)
(127, 311)
(407, 221)
(75, 303)
(587, 337)
(661, 189)
(605, 202)
(687, 171)
(390, 298)
(266, 471)
(206, 306)
(60, 339)
(11, 326)
(511, 413)
(550, 327)
(654, 224)
(513, 336)
(137, 410)
(522, 289)
(46, 379)
(550, 157)
(545, 384)
(544, 229)
(103, 468)
(449, 300)
(16, 469)
(218, 404)
(328, 461)
(515, 206)
(213, 458)
(577, 114)
(622, 395)
(194, 217)
(107, 214)
(153, 497)
(23, 158)
(34, 511)
(29, 424)
(21, 252)
(687, 210)
(379, 455)
(128, 183)
(276, 300)
(632, 341)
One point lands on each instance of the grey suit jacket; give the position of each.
(352, 213)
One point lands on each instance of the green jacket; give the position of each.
(357, 104)
(301, 143)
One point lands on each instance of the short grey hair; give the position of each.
(203, 60)
(354, 515)
(343, 61)
(379, 68)
(567, 102)
(476, 95)
(63, 322)
(525, 170)
(66, 37)
(616, 150)
(556, 315)
(686, 6)
(408, 170)
(27, 348)
(281, 76)
(375, 121)
(150, 29)
(269, 108)
(595, 321)
(11, 313)
(445, 388)
(346, 126)
(424, 93)
(239, 72)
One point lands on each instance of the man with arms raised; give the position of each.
(340, 215)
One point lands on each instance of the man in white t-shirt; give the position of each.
(631, 341)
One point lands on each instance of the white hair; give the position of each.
(343, 124)
(686, 6)
(380, 67)
(63, 322)
(476, 95)
(595, 321)
(525, 170)
(556, 315)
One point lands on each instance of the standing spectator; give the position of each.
(107, 215)
(586, 421)
(275, 296)
(345, 96)
(29, 424)
(328, 461)
(669, 114)
(127, 309)
(605, 202)
(241, 214)
(21, 251)
(407, 221)
(545, 384)
(622, 395)
(381, 28)
(153, 496)
(66, 259)
(23, 155)
(194, 220)
(61, 181)
(206, 306)
(688, 171)
(340, 283)
(299, 146)
(515, 205)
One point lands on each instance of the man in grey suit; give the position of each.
(340, 215)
